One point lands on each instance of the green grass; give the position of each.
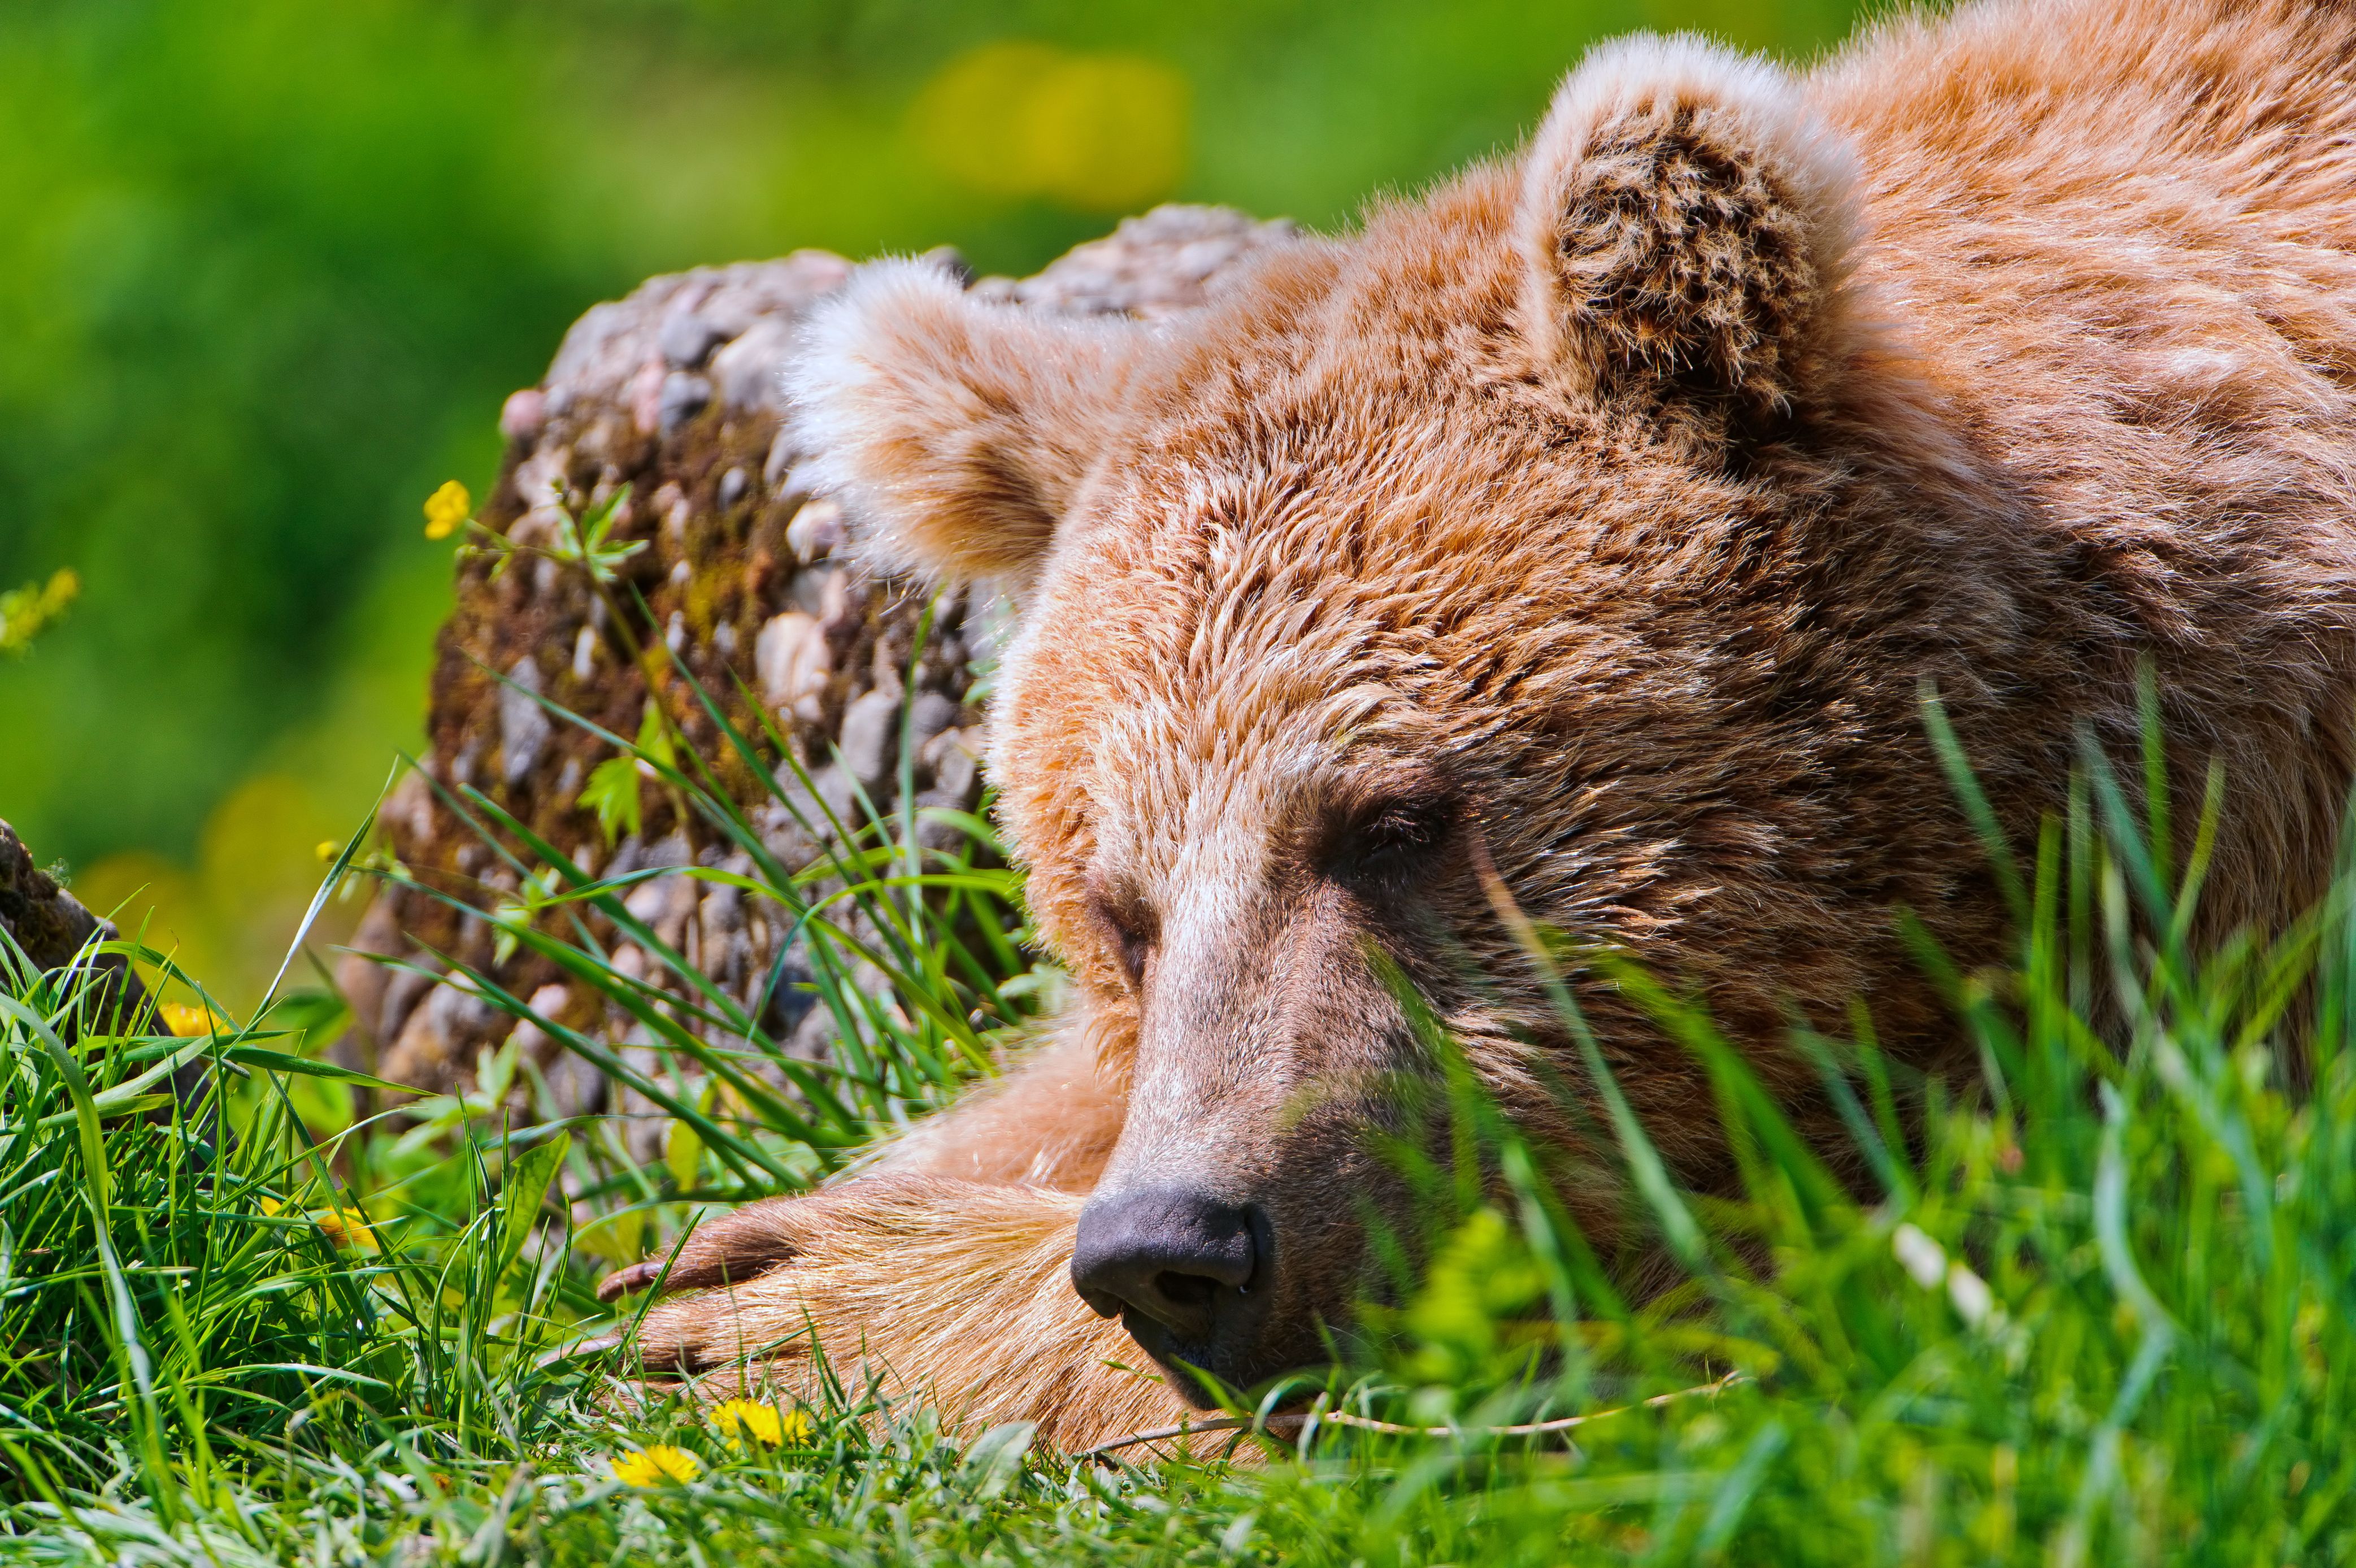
(2094, 1305)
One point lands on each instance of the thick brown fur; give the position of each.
(1607, 511)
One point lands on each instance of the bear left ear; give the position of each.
(954, 430)
(1685, 222)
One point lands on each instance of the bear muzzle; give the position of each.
(1188, 1275)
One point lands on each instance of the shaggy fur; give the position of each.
(1607, 513)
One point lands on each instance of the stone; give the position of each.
(403, 992)
(790, 657)
(432, 1042)
(679, 398)
(687, 341)
(954, 759)
(408, 809)
(780, 460)
(645, 404)
(747, 369)
(549, 1002)
(815, 807)
(575, 1087)
(724, 909)
(870, 737)
(524, 414)
(816, 530)
(928, 715)
(363, 980)
(665, 904)
(523, 723)
(670, 850)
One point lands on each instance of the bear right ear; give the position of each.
(954, 430)
(1685, 221)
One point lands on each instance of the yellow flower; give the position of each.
(657, 1463)
(326, 851)
(185, 1020)
(763, 1423)
(342, 1227)
(447, 508)
(346, 1228)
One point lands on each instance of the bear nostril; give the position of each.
(1171, 1255)
(1186, 1290)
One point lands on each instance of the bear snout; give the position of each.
(1167, 1253)
(1180, 1267)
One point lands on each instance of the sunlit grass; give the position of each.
(2091, 1305)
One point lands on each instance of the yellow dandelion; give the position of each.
(765, 1424)
(183, 1019)
(446, 509)
(657, 1463)
(342, 1226)
(346, 1228)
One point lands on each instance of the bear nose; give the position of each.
(1165, 1254)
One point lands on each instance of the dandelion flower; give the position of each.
(185, 1020)
(343, 1226)
(765, 1424)
(446, 509)
(657, 1463)
(346, 1228)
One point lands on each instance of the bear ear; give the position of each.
(953, 430)
(1685, 222)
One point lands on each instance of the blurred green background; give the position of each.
(268, 266)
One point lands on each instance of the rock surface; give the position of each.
(674, 393)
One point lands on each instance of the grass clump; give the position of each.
(2092, 1305)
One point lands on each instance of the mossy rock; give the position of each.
(673, 393)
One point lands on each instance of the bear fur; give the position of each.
(1586, 531)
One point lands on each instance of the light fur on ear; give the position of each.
(953, 430)
(1685, 222)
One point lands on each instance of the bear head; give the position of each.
(1478, 560)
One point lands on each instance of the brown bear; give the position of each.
(1592, 527)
